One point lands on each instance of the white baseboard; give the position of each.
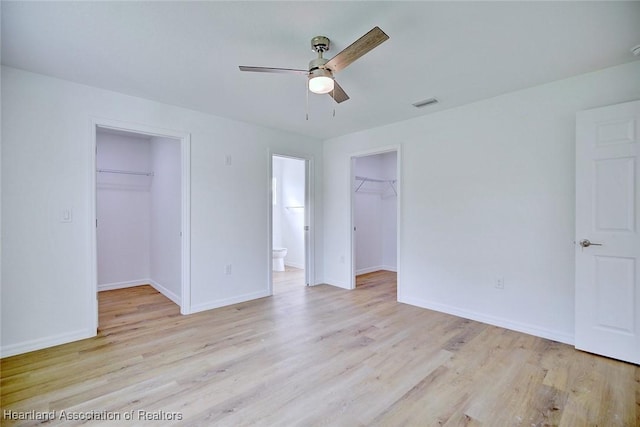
(367, 270)
(375, 268)
(229, 301)
(164, 291)
(40, 343)
(122, 285)
(294, 264)
(337, 283)
(491, 320)
(141, 282)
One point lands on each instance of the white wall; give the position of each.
(367, 215)
(46, 152)
(389, 202)
(123, 211)
(487, 192)
(166, 218)
(368, 234)
(292, 184)
(276, 211)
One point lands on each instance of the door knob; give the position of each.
(585, 243)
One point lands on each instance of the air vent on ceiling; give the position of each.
(425, 102)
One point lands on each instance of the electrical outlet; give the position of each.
(227, 269)
(342, 259)
(500, 283)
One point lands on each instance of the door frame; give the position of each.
(351, 232)
(309, 218)
(185, 163)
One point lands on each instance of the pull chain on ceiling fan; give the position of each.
(321, 70)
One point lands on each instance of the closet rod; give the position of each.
(125, 172)
(364, 178)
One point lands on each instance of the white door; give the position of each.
(607, 310)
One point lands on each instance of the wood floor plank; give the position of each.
(316, 356)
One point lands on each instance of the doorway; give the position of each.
(290, 219)
(140, 188)
(374, 216)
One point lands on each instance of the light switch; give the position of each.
(66, 215)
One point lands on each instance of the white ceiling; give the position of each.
(187, 53)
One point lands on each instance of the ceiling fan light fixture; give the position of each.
(320, 81)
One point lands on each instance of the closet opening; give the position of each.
(374, 213)
(142, 225)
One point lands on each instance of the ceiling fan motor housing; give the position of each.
(318, 63)
(320, 44)
(320, 72)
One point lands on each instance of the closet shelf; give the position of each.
(125, 172)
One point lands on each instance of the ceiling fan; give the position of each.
(321, 70)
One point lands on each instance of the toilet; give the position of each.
(278, 258)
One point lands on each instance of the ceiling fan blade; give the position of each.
(273, 70)
(338, 94)
(356, 49)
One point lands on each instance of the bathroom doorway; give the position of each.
(290, 221)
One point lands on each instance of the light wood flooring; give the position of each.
(291, 279)
(317, 356)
